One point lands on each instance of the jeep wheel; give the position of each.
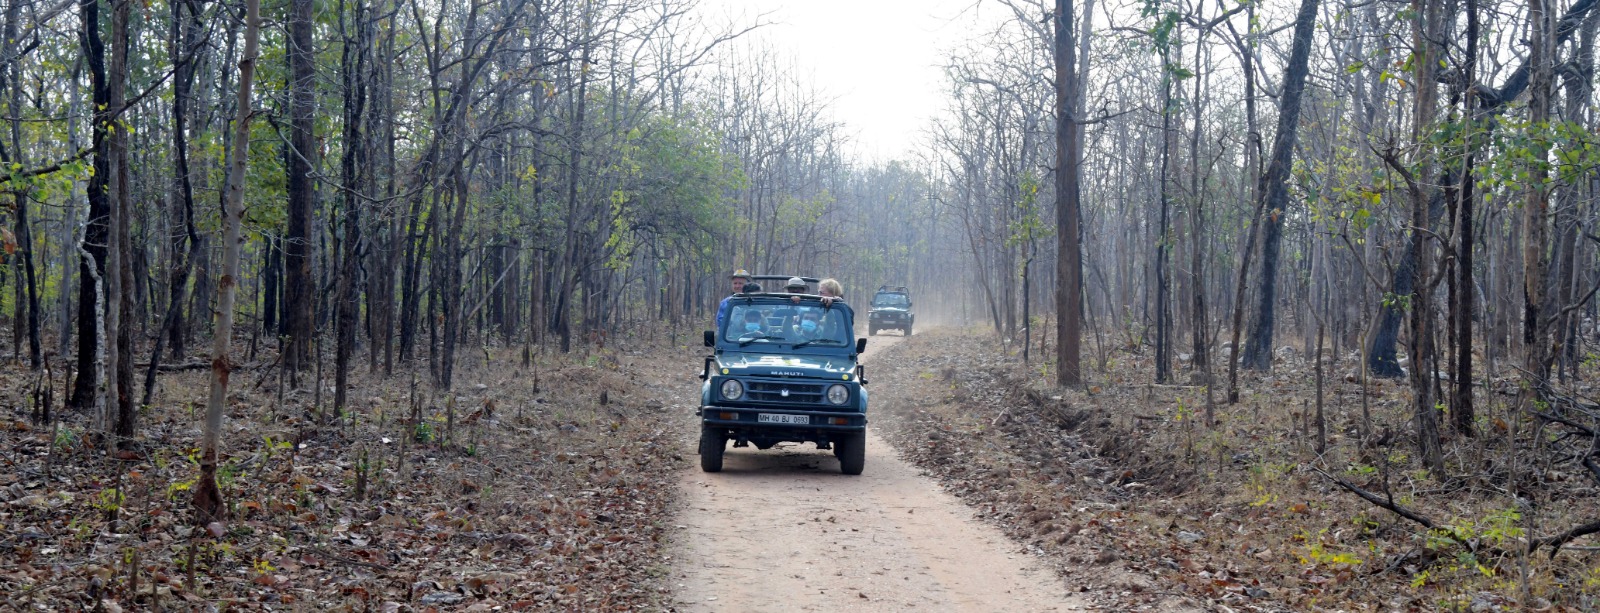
(712, 443)
(852, 452)
(872, 331)
(908, 329)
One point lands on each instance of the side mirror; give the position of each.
(711, 338)
(861, 345)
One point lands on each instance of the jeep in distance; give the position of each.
(891, 309)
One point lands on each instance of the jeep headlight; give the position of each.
(838, 394)
(732, 389)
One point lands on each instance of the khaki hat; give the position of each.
(740, 274)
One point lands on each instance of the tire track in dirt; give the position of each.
(782, 530)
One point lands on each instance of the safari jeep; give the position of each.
(891, 308)
(784, 371)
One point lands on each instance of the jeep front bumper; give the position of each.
(772, 419)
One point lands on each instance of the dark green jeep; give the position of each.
(891, 308)
(784, 370)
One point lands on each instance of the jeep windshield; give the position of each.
(898, 301)
(779, 321)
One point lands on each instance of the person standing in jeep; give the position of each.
(739, 278)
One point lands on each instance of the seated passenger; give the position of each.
(810, 327)
(752, 323)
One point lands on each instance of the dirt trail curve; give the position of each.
(782, 530)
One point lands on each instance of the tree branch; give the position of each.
(1555, 542)
(44, 170)
(1383, 503)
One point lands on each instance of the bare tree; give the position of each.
(1257, 353)
(207, 501)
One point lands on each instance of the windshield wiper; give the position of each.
(833, 341)
(754, 339)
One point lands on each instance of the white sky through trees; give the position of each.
(878, 61)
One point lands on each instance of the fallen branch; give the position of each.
(1582, 429)
(1555, 542)
(1392, 506)
(185, 366)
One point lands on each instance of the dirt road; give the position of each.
(782, 530)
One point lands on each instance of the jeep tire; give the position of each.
(852, 452)
(872, 330)
(712, 443)
(908, 329)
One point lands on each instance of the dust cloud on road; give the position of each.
(782, 530)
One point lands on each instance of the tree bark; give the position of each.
(1535, 333)
(119, 306)
(207, 499)
(298, 293)
(1069, 266)
(12, 77)
(1257, 354)
(1163, 246)
(353, 176)
(1252, 156)
(1428, 19)
(86, 389)
(184, 30)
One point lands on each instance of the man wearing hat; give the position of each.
(791, 316)
(739, 278)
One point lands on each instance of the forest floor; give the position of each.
(1125, 491)
(529, 488)
(570, 484)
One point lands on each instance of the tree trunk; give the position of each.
(11, 76)
(1257, 354)
(86, 390)
(1427, 26)
(1461, 409)
(353, 176)
(184, 30)
(1197, 278)
(562, 324)
(1252, 156)
(1535, 333)
(1164, 230)
(119, 306)
(298, 293)
(1069, 268)
(207, 500)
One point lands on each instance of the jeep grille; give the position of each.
(799, 393)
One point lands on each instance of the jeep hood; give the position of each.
(889, 308)
(791, 365)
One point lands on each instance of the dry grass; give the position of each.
(1237, 515)
(519, 490)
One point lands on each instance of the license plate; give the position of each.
(774, 418)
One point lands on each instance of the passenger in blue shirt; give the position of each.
(739, 278)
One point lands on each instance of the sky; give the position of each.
(878, 60)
